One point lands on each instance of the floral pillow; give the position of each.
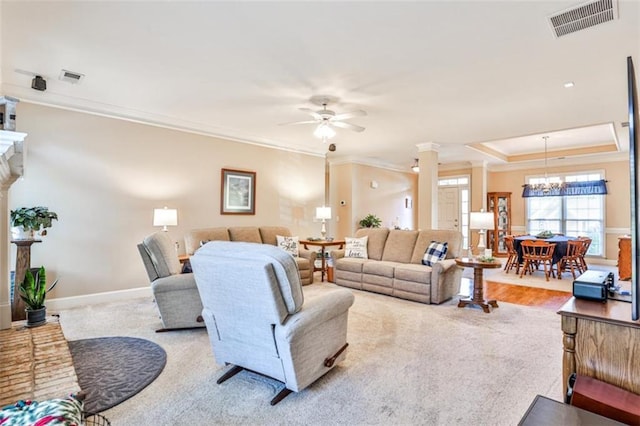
(289, 244)
(356, 247)
(52, 412)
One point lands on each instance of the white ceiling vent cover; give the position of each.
(71, 76)
(584, 16)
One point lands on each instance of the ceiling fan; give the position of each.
(326, 119)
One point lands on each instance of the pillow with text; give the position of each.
(356, 247)
(288, 244)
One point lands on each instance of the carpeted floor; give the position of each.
(407, 363)
(113, 369)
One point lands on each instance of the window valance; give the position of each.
(570, 189)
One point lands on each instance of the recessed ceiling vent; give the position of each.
(583, 16)
(70, 76)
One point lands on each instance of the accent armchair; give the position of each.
(176, 294)
(258, 319)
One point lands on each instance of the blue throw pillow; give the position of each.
(434, 253)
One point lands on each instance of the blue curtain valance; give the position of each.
(572, 189)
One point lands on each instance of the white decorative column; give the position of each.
(11, 168)
(478, 186)
(428, 185)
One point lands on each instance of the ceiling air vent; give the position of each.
(583, 16)
(71, 76)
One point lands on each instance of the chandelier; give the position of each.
(547, 187)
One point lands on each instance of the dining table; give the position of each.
(559, 251)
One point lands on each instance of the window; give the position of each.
(573, 216)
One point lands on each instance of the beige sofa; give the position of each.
(394, 265)
(251, 234)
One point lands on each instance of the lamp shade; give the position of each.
(165, 217)
(323, 212)
(481, 220)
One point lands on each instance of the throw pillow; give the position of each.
(434, 253)
(356, 247)
(60, 411)
(288, 244)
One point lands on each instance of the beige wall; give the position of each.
(104, 177)
(617, 201)
(352, 183)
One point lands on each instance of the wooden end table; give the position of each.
(323, 244)
(546, 411)
(478, 283)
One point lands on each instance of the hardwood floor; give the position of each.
(518, 294)
(530, 296)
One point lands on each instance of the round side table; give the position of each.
(478, 283)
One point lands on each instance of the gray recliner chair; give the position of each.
(176, 294)
(258, 318)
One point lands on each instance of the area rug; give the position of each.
(113, 369)
(537, 279)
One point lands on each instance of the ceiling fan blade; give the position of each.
(311, 113)
(351, 114)
(299, 122)
(349, 126)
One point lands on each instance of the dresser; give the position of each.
(624, 258)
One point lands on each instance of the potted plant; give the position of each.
(371, 221)
(26, 221)
(33, 291)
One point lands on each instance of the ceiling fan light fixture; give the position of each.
(416, 165)
(324, 131)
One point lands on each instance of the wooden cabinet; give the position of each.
(624, 258)
(601, 341)
(500, 204)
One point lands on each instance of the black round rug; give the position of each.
(113, 369)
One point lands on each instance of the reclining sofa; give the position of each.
(394, 265)
(251, 234)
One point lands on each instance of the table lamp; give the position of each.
(481, 221)
(323, 213)
(165, 217)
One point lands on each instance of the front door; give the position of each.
(448, 208)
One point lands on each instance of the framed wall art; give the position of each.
(238, 192)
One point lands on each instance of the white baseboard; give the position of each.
(598, 261)
(97, 298)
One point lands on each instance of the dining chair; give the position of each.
(536, 253)
(571, 261)
(512, 253)
(586, 243)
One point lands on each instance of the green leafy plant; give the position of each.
(545, 234)
(33, 218)
(371, 221)
(33, 289)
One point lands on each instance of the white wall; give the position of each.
(105, 176)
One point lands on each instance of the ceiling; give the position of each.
(484, 80)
